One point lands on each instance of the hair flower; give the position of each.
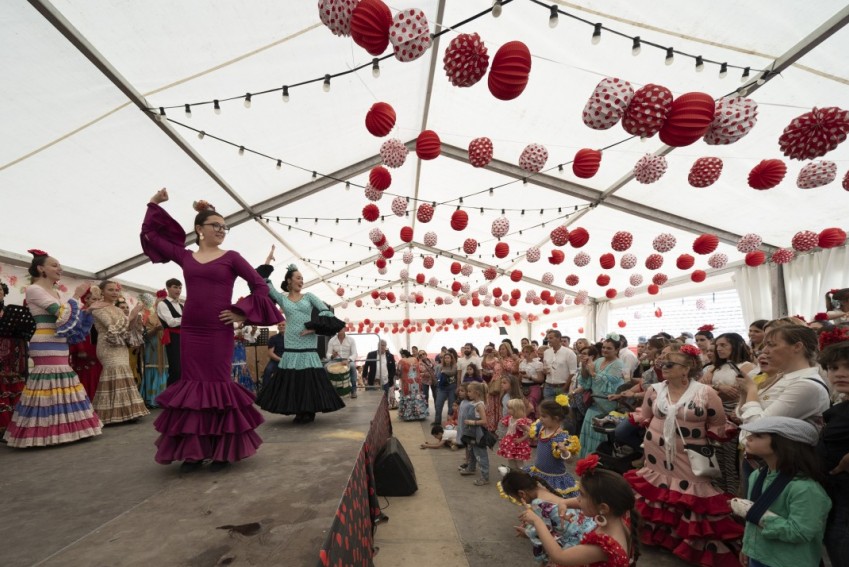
(36, 252)
(706, 327)
(202, 205)
(161, 294)
(613, 336)
(291, 268)
(691, 350)
(834, 336)
(821, 317)
(562, 399)
(586, 465)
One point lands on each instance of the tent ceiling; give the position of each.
(85, 149)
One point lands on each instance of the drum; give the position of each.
(340, 377)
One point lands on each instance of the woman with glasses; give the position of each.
(681, 511)
(206, 415)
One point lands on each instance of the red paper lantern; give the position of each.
(556, 257)
(370, 24)
(647, 111)
(380, 119)
(409, 34)
(755, 258)
(515, 294)
(508, 74)
(659, 279)
(419, 299)
(516, 275)
(817, 174)
(459, 219)
(607, 261)
(572, 280)
(622, 324)
(545, 294)
(497, 292)
(767, 174)
(428, 145)
(380, 178)
(380, 263)
(466, 60)
(578, 237)
(424, 212)
(490, 273)
(621, 241)
(602, 280)
(371, 212)
(698, 276)
(689, 118)
(705, 244)
(502, 249)
(610, 293)
(375, 294)
(607, 104)
(407, 234)
(470, 246)
(705, 171)
(420, 279)
(653, 289)
(832, 238)
(456, 286)
(782, 256)
(381, 241)
(340, 291)
(804, 240)
(581, 330)
(734, 118)
(336, 15)
(654, 261)
(480, 152)
(846, 181)
(455, 268)
(560, 236)
(586, 163)
(388, 252)
(685, 262)
(815, 133)
(358, 303)
(658, 313)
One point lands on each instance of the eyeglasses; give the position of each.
(218, 227)
(670, 364)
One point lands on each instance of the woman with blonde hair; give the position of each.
(155, 360)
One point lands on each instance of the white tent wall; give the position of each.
(809, 277)
(755, 288)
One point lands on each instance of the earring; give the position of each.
(201, 236)
(600, 520)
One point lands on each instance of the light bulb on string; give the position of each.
(596, 34)
(188, 111)
(745, 75)
(161, 115)
(723, 70)
(553, 19)
(279, 164)
(762, 79)
(285, 93)
(247, 102)
(375, 67)
(670, 55)
(700, 64)
(496, 8)
(201, 134)
(326, 85)
(636, 48)
(216, 107)
(241, 150)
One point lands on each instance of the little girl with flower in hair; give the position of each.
(554, 446)
(608, 498)
(515, 445)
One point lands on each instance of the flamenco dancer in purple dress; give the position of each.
(206, 415)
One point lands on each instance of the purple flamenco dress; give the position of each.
(206, 415)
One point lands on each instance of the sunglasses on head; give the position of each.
(669, 364)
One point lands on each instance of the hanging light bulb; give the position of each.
(161, 116)
(496, 8)
(216, 107)
(279, 164)
(670, 55)
(285, 93)
(201, 134)
(762, 79)
(743, 91)
(375, 67)
(723, 70)
(700, 64)
(188, 111)
(247, 102)
(596, 34)
(745, 76)
(241, 150)
(637, 47)
(553, 19)
(326, 85)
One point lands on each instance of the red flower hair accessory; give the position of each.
(706, 327)
(586, 465)
(161, 294)
(836, 335)
(821, 317)
(36, 252)
(691, 350)
(202, 206)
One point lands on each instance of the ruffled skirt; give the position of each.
(117, 398)
(292, 391)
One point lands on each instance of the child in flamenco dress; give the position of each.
(515, 445)
(554, 447)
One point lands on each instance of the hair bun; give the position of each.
(36, 252)
(202, 205)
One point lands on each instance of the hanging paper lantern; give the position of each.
(607, 103)
(371, 212)
(480, 152)
(500, 227)
(659, 279)
(607, 261)
(533, 158)
(749, 243)
(399, 206)
(379, 177)
(508, 74)
(602, 280)
(424, 212)
(805, 240)
(459, 219)
(767, 174)
(388, 252)
(466, 60)
(502, 249)
(635, 279)
(340, 291)
(654, 261)
(380, 119)
(430, 238)
(548, 278)
(586, 163)
(404, 274)
(393, 153)
(336, 15)
(407, 258)
(654, 289)
(490, 273)
(532, 254)
(466, 270)
(705, 171)
(705, 244)
(664, 242)
(560, 236)
(470, 246)
(628, 261)
(456, 286)
(578, 237)
(782, 256)
(621, 241)
(420, 279)
(701, 304)
(380, 263)
(814, 133)
(846, 181)
(647, 111)
(689, 118)
(572, 280)
(372, 194)
(406, 234)
(515, 294)
(832, 238)
(817, 174)
(428, 145)
(611, 293)
(685, 262)
(755, 258)
(717, 261)
(370, 22)
(581, 259)
(358, 303)
(698, 276)
(376, 235)
(455, 268)
(516, 275)
(427, 262)
(650, 168)
(433, 281)
(556, 257)
(733, 118)
(409, 34)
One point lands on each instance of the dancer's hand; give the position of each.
(270, 258)
(160, 196)
(230, 317)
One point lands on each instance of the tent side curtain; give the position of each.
(755, 292)
(810, 276)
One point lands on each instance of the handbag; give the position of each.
(488, 438)
(702, 458)
(587, 398)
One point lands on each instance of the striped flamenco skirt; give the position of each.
(53, 408)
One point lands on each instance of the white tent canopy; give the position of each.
(80, 159)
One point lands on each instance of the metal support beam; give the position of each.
(779, 293)
(352, 266)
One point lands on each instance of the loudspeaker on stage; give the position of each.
(393, 471)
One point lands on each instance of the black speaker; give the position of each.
(393, 471)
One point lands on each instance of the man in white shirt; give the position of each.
(469, 357)
(559, 365)
(629, 360)
(380, 367)
(342, 348)
(170, 313)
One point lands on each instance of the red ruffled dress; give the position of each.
(681, 511)
(206, 415)
(509, 448)
(616, 556)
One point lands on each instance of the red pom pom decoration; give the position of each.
(556, 257)
(734, 118)
(815, 133)
(533, 158)
(685, 262)
(516, 275)
(370, 22)
(705, 172)
(805, 240)
(705, 244)
(508, 75)
(388, 252)
(393, 153)
(832, 238)
(502, 249)
(380, 119)
(336, 15)
(466, 60)
(409, 34)
(611, 293)
(647, 111)
(621, 241)
(470, 246)
(560, 236)
(420, 279)
(690, 116)
(650, 168)
(602, 280)
(817, 174)
(698, 276)
(578, 237)
(659, 279)
(654, 261)
(428, 145)
(653, 289)
(455, 268)
(607, 261)
(490, 273)
(427, 262)
(586, 163)
(755, 258)
(371, 212)
(424, 212)
(380, 263)
(459, 219)
(407, 234)
(607, 104)
(480, 152)
(767, 174)
(572, 279)
(782, 256)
